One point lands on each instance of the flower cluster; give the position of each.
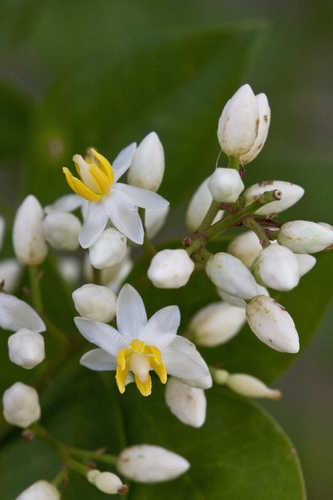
(107, 218)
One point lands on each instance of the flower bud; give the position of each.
(277, 268)
(303, 236)
(41, 490)
(272, 324)
(187, 403)
(155, 220)
(28, 236)
(21, 405)
(239, 123)
(61, 230)
(251, 387)
(217, 323)
(95, 302)
(225, 185)
(305, 262)
(70, 269)
(113, 276)
(10, 274)
(220, 376)
(230, 275)
(237, 301)
(26, 348)
(264, 122)
(199, 205)
(291, 194)
(150, 464)
(147, 168)
(246, 247)
(2, 230)
(170, 269)
(109, 249)
(107, 482)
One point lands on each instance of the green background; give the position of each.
(75, 73)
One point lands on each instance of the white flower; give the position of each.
(28, 236)
(170, 268)
(226, 185)
(150, 464)
(109, 249)
(199, 205)
(26, 348)
(21, 405)
(147, 168)
(113, 276)
(272, 324)
(10, 274)
(250, 386)
(95, 302)
(16, 314)
(303, 236)
(246, 247)
(291, 194)
(277, 267)
(305, 262)
(217, 323)
(140, 345)
(104, 199)
(61, 230)
(107, 482)
(264, 122)
(155, 220)
(187, 403)
(41, 490)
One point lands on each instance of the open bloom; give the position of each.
(140, 345)
(104, 199)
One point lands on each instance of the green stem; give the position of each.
(147, 244)
(233, 162)
(209, 217)
(97, 276)
(251, 223)
(77, 467)
(60, 477)
(42, 433)
(92, 455)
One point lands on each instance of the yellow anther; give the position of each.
(144, 387)
(121, 376)
(160, 370)
(137, 345)
(100, 179)
(156, 353)
(79, 187)
(103, 163)
(121, 357)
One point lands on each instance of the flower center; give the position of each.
(140, 359)
(96, 176)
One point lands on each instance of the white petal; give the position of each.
(99, 360)
(142, 197)
(104, 336)
(93, 225)
(67, 203)
(162, 327)
(131, 312)
(182, 360)
(124, 216)
(123, 161)
(16, 314)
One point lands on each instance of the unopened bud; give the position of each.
(61, 230)
(199, 205)
(70, 269)
(28, 236)
(272, 324)
(251, 387)
(109, 249)
(95, 302)
(290, 194)
(147, 168)
(220, 376)
(170, 269)
(187, 403)
(217, 323)
(113, 276)
(21, 405)
(107, 482)
(230, 275)
(277, 268)
(305, 262)
(41, 490)
(26, 348)
(246, 247)
(225, 185)
(155, 220)
(10, 274)
(150, 464)
(264, 122)
(303, 236)
(239, 123)
(237, 301)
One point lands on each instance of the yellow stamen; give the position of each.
(137, 345)
(121, 357)
(160, 370)
(102, 163)
(101, 179)
(79, 187)
(121, 376)
(144, 387)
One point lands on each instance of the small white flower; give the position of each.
(303, 236)
(199, 205)
(28, 236)
(170, 268)
(305, 262)
(21, 405)
(246, 247)
(187, 403)
(107, 482)
(277, 267)
(147, 167)
(291, 194)
(26, 348)
(250, 386)
(95, 302)
(41, 490)
(10, 274)
(141, 345)
(264, 122)
(16, 314)
(226, 185)
(104, 199)
(113, 276)
(108, 250)
(61, 230)
(150, 464)
(155, 220)
(217, 323)
(272, 324)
